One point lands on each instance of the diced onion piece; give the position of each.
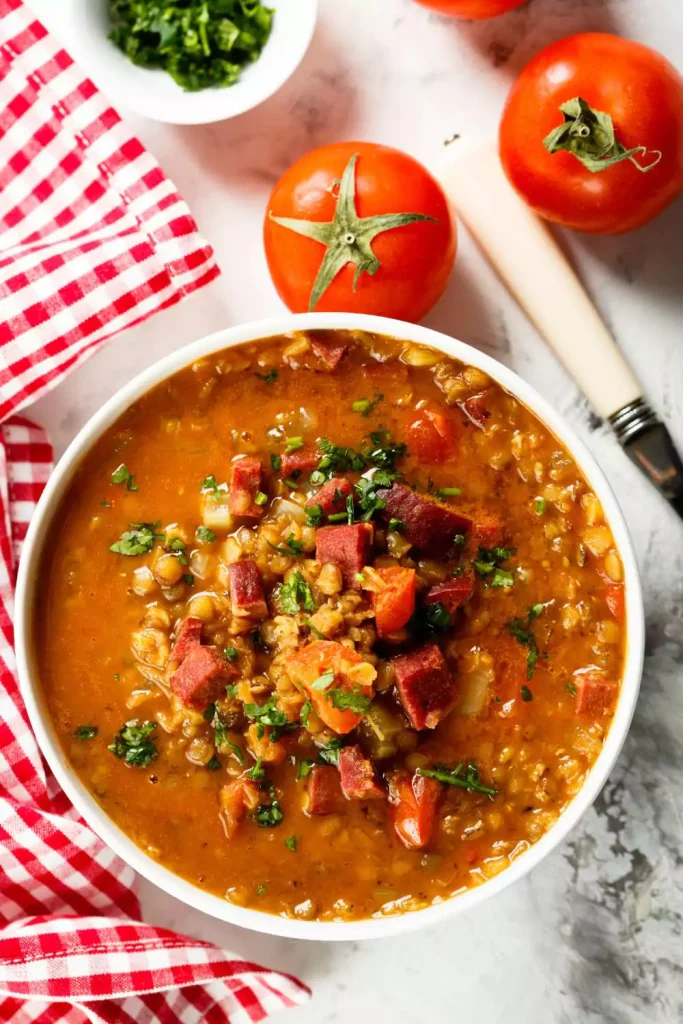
(287, 507)
(144, 583)
(216, 511)
(475, 688)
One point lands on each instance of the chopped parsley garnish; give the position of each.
(123, 475)
(330, 753)
(275, 462)
(292, 444)
(269, 815)
(346, 700)
(335, 460)
(396, 525)
(292, 481)
(230, 653)
(213, 764)
(437, 617)
(316, 478)
(527, 695)
(570, 688)
(314, 629)
(261, 498)
(205, 535)
(304, 768)
(221, 737)
(524, 635)
(350, 511)
(290, 843)
(337, 517)
(488, 564)
(231, 688)
(448, 492)
(366, 489)
(269, 377)
(261, 890)
(292, 548)
(117, 677)
(539, 505)
(268, 715)
(455, 777)
(382, 452)
(258, 772)
(306, 710)
(360, 577)
(314, 515)
(189, 579)
(323, 681)
(133, 743)
(459, 540)
(199, 44)
(86, 732)
(176, 547)
(295, 595)
(366, 405)
(209, 483)
(138, 539)
(105, 504)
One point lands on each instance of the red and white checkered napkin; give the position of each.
(93, 238)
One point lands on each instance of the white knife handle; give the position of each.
(522, 250)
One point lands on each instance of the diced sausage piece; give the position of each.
(328, 671)
(451, 593)
(329, 351)
(476, 408)
(298, 462)
(235, 800)
(201, 677)
(594, 693)
(413, 807)
(189, 636)
(345, 546)
(332, 495)
(357, 774)
(324, 793)
(247, 599)
(395, 604)
(429, 525)
(426, 689)
(245, 483)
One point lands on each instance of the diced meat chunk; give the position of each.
(201, 677)
(429, 525)
(246, 477)
(332, 495)
(487, 529)
(357, 774)
(414, 804)
(247, 599)
(452, 593)
(594, 693)
(297, 463)
(329, 351)
(324, 793)
(235, 800)
(345, 546)
(395, 604)
(476, 408)
(426, 689)
(189, 636)
(336, 680)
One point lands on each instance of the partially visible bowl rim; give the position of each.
(105, 827)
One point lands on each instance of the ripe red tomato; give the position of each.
(430, 436)
(642, 94)
(356, 227)
(472, 8)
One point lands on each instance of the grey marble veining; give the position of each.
(594, 934)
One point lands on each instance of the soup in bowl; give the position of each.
(329, 626)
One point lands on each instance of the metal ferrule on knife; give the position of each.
(646, 441)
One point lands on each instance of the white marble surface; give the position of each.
(594, 935)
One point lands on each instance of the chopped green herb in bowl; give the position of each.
(200, 43)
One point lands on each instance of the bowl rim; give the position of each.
(105, 827)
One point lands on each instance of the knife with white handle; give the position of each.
(529, 261)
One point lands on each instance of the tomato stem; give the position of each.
(589, 135)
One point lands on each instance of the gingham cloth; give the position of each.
(94, 238)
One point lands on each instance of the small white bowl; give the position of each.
(85, 803)
(83, 26)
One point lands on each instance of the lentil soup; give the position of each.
(333, 625)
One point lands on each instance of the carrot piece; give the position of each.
(614, 598)
(329, 673)
(395, 604)
(430, 436)
(413, 807)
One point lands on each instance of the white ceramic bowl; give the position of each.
(83, 26)
(88, 806)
